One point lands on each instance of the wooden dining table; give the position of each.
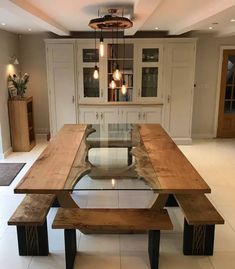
(158, 163)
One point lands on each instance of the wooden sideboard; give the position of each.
(21, 123)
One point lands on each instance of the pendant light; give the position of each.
(96, 70)
(101, 45)
(124, 86)
(112, 84)
(117, 75)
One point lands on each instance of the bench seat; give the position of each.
(30, 220)
(112, 220)
(199, 224)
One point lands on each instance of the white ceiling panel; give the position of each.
(63, 16)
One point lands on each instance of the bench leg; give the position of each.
(70, 247)
(198, 239)
(33, 240)
(129, 156)
(153, 248)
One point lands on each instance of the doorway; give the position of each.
(226, 117)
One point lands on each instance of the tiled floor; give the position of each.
(215, 161)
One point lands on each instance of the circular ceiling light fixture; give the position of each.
(110, 21)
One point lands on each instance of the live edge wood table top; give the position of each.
(157, 159)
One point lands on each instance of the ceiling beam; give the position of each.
(142, 11)
(209, 10)
(39, 17)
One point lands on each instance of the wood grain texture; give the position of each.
(20, 125)
(50, 171)
(198, 210)
(173, 170)
(112, 219)
(32, 210)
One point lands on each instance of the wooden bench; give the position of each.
(31, 223)
(112, 220)
(199, 223)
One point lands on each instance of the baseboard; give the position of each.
(5, 154)
(41, 136)
(201, 136)
(41, 133)
(182, 140)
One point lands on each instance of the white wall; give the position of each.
(207, 64)
(33, 58)
(8, 48)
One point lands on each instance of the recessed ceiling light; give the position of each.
(156, 28)
(29, 29)
(210, 27)
(3, 23)
(232, 20)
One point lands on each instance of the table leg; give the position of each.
(160, 201)
(65, 199)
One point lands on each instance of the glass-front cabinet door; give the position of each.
(149, 73)
(90, 87)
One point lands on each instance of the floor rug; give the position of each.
(8, 171)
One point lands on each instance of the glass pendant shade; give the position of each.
(117, 75)
(112, 84)
(124, 88)
(101, 46)
(96, 73)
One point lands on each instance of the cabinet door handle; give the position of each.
(97, 115)
(139, 93)
(73, 99)
(168, 98)
(101, 115)
(139, 115)
(101, 93)
(144, 115)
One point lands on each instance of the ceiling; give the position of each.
(175, 16)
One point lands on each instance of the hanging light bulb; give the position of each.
(124, 88)
(117, 75)
(96, 73)
(101, 46)
(112, 84)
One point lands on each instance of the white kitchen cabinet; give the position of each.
(98, 115)
(149, 72)
(141, 114)
(160, 74)
(90, 89)
(108, 114)
(61, 85)
(152, 114)
(180, 65)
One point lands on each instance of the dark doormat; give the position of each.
(8, 171)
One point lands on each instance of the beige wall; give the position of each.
(205, 93)
(8, 48)
(33, 58)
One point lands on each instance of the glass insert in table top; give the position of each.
(110, 145)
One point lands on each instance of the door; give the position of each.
(89, 115)
(152, 114)
(130, 115)
(226, 118)
(149, 73)
(61, 81)
(179, 80)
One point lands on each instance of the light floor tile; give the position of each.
(223, 260)
(97, 261)
(97, 243)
